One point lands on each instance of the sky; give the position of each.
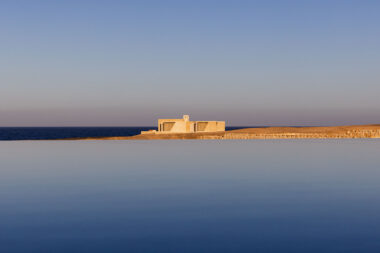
(128, 63)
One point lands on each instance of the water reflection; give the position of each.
(190, 196)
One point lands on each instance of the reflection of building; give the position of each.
(184, 125)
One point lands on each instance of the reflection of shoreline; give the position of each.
(334, 132)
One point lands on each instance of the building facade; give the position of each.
(184, 125)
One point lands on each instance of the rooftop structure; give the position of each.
(184, 125)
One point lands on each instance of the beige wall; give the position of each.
(210, 126)
(179, 126)
(184, 125)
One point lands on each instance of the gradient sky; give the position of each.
(127, 63)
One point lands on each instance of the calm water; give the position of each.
(190, 196)
(49, 133)
(46, 133)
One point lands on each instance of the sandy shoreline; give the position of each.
(333, 132)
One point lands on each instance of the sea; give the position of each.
(51, 133)
(222, 196)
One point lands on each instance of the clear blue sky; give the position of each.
(121, 63)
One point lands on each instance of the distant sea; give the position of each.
(51, 133)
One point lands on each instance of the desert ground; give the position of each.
(331, 132)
